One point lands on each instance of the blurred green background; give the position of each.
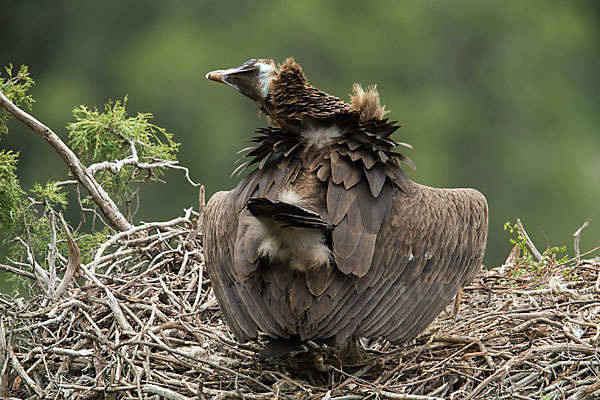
(501, 96)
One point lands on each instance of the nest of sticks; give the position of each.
(140, 321)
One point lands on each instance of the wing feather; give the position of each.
(340, 168)
(371, 208)
(300, 297)
(339, 201)
(344, 243)
(376, 178)
(328, 304)
(319, 279)
(241, 298)
(426, 265)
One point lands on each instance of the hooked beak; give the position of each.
(220, 74)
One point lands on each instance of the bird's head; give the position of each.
(282, 91)
(252, 79)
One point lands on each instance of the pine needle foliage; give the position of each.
(11, 194)
(15, 87)
(114, 135)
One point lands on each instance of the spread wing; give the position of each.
(431, 245)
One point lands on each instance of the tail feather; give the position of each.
(288, 215)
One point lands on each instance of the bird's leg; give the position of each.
(320, 363)
(457, 301)
(351, 353)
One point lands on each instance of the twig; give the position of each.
(4, 360)
(161, 344)
(132, 231)
(577, 236)
(163, 392)
(41, 276)
(237, 388)
(454, 339)
(519, 358)
(72, 264)
(44, 323)
(17, 271)
(586, 391)
(399, 396)
(530, 244)
(51, 258)
(53, 308)
(202, 207)
(112, 301)
(21, 372)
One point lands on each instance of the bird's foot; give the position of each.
(351, 353)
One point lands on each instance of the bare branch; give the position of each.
(133, 160)
(17, 271)
(41, 276)
(586, 391)
(532, 248)
(19, 368)
(112, 301)
(577, 236)
(164, 392)
(73, 263)
(202, 206)
(4, 360)
(134, 230)
(52, 251)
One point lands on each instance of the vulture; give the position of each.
(326, 239)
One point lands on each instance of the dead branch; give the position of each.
(17, 271)
(73, 263)
(4, 360)
(530, 245)
(577, 236)
(23, 374)
(586, 391)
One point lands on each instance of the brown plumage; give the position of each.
(327, 239)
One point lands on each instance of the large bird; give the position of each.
(326, 239)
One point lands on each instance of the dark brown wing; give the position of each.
(432, 245)
(241, 300)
